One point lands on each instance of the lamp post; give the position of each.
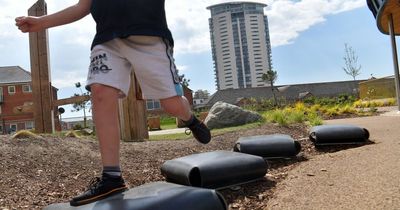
(395, 58)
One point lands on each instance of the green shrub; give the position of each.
(310, 100)
(314, 119)
(347, 109)
(332, 111)
(391, 102)
(358, 104)
(77, 127)
(346, 99)
(299, 106)
(277, 116)
(296, 117)
(315, 108)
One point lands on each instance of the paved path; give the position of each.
(366, 177)
(168, 131)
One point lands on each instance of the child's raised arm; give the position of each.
(68, 15)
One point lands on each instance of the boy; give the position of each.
(131, 34)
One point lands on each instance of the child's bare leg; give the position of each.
(177, 106)
(105, 113)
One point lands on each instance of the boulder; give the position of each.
(225, 115)
(87, 131)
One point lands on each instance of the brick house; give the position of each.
(154, 106)
(15, 96)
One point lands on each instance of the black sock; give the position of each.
(191, 121)
(112, 171)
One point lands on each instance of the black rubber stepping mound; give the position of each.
(155, 196)
(338, 134)
(268, 146)
(216, 170)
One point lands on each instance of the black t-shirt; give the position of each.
(123, 18)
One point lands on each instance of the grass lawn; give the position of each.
(214, 132)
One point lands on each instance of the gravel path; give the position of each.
(360, 178)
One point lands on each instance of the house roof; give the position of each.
(376, 79)
(76, 119)
(14, 74)
(289, 92)
(231, 96)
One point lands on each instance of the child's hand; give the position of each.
(29, 24)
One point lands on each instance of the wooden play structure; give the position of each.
(133, 123)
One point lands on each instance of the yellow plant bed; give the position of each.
(25, 134)
(72, 134)
(375, 103)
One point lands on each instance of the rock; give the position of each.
(87, 131)
(225, 115)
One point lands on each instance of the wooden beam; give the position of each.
(29, 108)
(133, 117)
(40, 72)
(71, 100)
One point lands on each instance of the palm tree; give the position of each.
(271, 77)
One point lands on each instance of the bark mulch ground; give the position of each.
(35, 173)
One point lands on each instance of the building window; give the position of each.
(0, 109)
(1, 96)
(1, 129)
(26, 89)
(29, 125)
(11, 90)
(13, 127)
(153, 104)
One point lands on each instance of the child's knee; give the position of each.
(172, 101)
(103, 92)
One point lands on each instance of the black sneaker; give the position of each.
(100, 188)
(199, 131)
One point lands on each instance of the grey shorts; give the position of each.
(150, 58)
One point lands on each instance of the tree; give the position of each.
(201, 94)
(81, 105)
(271, 76)
(184, 81)
(351, 62)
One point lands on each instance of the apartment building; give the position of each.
(241, 46)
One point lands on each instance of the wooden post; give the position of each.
(133, 117)
(40, 71)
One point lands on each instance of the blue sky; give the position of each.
(307, 36)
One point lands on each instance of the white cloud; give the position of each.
(189, 21)
(68, 79)
(182, 68)
(287, 19)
